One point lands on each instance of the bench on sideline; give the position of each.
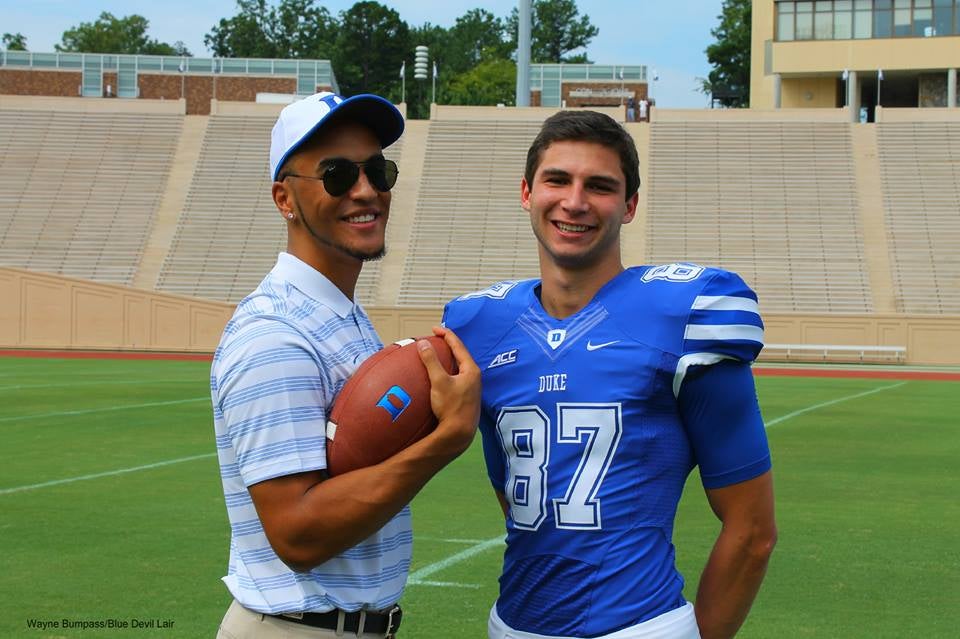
(835, 353)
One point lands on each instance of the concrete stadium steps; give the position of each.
(230, 231)
(79, 190)
(920, 166)
(469, 229)
(774, 201)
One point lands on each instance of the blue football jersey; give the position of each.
(582, 433)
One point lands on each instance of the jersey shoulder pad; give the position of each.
(713, 310)
(724, 319)
(474, 317)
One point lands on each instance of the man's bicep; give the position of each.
(277, 499)
(273, 398)
(719, 408)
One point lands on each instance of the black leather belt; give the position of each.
(361, 622)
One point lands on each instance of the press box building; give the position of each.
(855, 53)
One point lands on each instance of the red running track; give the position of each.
(864, 372)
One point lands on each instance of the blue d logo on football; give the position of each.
(400, 397)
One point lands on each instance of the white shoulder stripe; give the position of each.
(725, 303)
(724, 332)
(693, 359)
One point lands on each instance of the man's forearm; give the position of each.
(730, 581)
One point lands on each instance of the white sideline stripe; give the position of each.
(795, 413)
(89, 411)
(443, 584)
(71, 384)
(109, 473)
(418, 578)
(451, 541)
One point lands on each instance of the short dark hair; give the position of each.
(587, 126)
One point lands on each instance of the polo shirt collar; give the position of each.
(313, 284)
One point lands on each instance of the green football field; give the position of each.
(112, 522)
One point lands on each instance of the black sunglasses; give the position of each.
(340, 175)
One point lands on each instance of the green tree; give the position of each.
(371, 44)
(293, 29)
(556, 29)
(110, 34)
(489, 83)
(729, 80)
(14, 42)
(475, 37)
(245, 35)
(302, 30)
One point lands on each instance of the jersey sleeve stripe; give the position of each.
(725, 303)
(724, 332)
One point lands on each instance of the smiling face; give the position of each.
(577, 204)
(334, 234)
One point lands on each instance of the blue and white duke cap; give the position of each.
(301, 119)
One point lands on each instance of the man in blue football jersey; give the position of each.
(603, 387)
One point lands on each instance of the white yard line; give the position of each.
(468, 542)
(419, 577)
(71, 384)
(109, 473)
(89, 411)
(809, 409)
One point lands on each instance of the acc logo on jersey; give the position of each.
(497, 291)
(679, 272)
(503, 359)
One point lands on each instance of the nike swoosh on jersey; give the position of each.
(593, 347)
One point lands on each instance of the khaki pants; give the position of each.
(241, 623)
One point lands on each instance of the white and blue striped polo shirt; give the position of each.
(287, 351)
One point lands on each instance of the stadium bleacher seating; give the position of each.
(230, 233)
(79, 190)
(921, 178)
(773, 201)
(469, 230)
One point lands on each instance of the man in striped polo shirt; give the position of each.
(310, 555)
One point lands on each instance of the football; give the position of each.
(384, 406)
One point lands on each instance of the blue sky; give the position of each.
(667, 36)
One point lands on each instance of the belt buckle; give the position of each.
(390, 627)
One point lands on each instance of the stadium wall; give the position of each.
(90, 105)
(52, 312)
(40, 83)
(196, 89)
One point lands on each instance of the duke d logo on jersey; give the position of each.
(555, 337)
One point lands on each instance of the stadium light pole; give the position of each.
(523, 53)
(421, 58)
(879, 82)
(845, 76)
(621, 86)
